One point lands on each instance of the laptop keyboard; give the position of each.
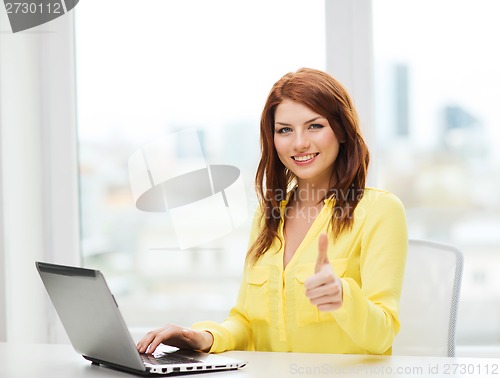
(167, 359)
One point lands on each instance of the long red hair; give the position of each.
(326, 96)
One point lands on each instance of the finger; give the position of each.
(329, 289)
(161, 336)
(142, 345)
(324, 301)
(154, 344)
(322, 252)
(330, 306)
(324, 276)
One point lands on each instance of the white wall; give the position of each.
(39, 192)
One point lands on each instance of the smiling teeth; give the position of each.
(304, 158)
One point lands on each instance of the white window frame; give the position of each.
(39, 173)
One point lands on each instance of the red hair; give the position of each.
(324, 95)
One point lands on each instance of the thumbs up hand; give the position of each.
(324, 288)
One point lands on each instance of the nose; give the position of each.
(301, 141)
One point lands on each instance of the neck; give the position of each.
(310, 194)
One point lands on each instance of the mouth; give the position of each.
(305, 158)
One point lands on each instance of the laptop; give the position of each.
(96, 329)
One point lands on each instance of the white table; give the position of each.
(61, 361)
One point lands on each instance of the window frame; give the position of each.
(39, 171)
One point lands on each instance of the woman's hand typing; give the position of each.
(182, 338)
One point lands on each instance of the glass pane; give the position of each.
(437, 87)
(144, 75)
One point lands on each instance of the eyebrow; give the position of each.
(305, 123)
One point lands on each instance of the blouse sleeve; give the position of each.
(370, 312)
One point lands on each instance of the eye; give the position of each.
(283, 130)
(316, 126)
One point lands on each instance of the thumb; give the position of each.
(322, 253)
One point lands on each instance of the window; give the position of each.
(167, 67)
(208, 66)
(437, 82)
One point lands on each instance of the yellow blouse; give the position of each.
(272, 312)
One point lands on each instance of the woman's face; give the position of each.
(305, 143)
